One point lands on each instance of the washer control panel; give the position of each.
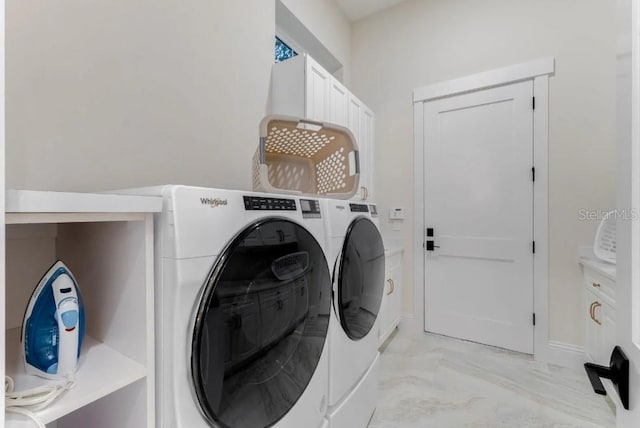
(310, 208)
(374, 210)
(359, 208)
(258, 203)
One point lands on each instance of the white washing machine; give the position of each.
(243, 298)
(356, 257)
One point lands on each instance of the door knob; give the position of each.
(617, 372)
(431, 246)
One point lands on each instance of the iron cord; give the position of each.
(29, 401)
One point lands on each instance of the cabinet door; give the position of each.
(339, 97)
(276, 308)
(605, 315)
(355, 119)
(367, 166)
(384, 317)
(355, 111)
(318, 81)
(301, 299)
(594, 337)
(288, 87)
(392, 299)
(244, 333)
(395, 296)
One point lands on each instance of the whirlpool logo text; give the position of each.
(213, 203)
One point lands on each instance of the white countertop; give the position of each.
(34, 201)
(606, 269)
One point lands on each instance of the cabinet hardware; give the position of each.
(595, 284)
(591, 310)
(392, 287)
(596, 306)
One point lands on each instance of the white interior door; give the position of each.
(621, 379)
(479, 207)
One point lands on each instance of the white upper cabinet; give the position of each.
(300, 87)
(339, 107)
(367, 153)
(318, 82)
(355, 111)
(355, 125)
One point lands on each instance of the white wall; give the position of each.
(103, 94)
(425, 41)
(327, 22)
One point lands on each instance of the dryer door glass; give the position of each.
(260, 325)
(360, 278)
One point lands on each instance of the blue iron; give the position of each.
(53, 325)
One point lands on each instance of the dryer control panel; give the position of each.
(258, 203)
(359, 208)
(310, 208)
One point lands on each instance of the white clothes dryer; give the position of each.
(356, 257)
(243, 298)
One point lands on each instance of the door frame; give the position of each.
(539, 72)
(628, 232)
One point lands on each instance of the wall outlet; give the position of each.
(396, 214)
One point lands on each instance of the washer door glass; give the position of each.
(360, 278)
(261, 325)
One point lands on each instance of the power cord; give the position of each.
(35, 398)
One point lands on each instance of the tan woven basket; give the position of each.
(303, 157)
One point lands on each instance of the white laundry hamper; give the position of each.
(304, 157)
(604, 245)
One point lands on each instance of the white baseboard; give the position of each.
(410, 327)
(562, 354)
(558, 353)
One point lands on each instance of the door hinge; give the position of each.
(533, 247)
(534, 318)
(533, 173)
(533, 103)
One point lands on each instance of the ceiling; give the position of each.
(357, 9)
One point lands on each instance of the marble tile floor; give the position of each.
(447, 383)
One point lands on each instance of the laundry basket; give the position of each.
(303, 157)
(604, 245)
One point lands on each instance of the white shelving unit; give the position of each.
(107, 241)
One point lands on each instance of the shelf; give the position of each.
(102, 371)
(33, 201)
